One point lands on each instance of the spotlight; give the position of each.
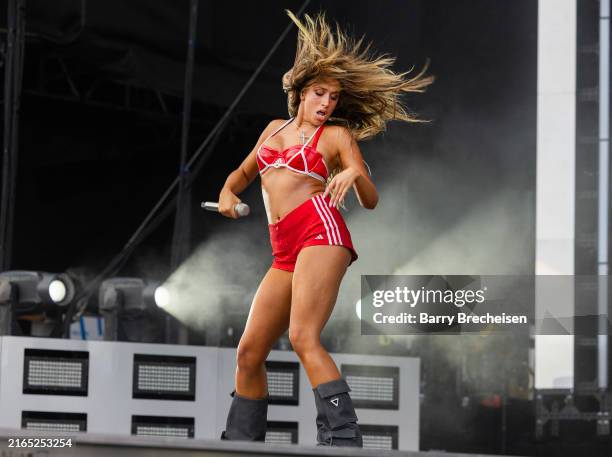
(162, 297)
(34, 288)
(57, 291)
(132, 294)
(32, 292)
(128, 296)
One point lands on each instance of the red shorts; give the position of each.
(312, 223)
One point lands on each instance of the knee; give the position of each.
(303, 341)
(249, 357)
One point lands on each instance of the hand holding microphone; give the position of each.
(240, 209)
(229, 205)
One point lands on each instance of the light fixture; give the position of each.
(162, 297)
(133, 294)
(283, 382)
(52, 421)
(377, 436)
(57, 291)
(32, 292)
(131, 297)
(33, 288)
(55, 372)
(164, 377)
(372, 386)
(175, 427)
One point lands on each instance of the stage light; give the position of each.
(30, 289)
(128, 296)
(380, 436)
(281, 432)
(162, 297)
(51, 421)
(57, 291)
(163, 377)
(176, 427)
(132, 294)
(55, 372)
(373, 386)
(31, 292)
(283, 382)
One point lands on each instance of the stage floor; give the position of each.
(95, 445)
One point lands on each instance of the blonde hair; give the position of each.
(370, 90)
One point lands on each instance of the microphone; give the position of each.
(241, 209)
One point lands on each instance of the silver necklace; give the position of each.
(303, 136)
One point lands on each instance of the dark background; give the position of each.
(90, 172)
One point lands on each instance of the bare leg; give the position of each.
(316, 280)
(268, 320)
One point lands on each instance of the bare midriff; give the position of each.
(284, 190)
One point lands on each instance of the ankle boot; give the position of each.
(247, 419)
(336, 418)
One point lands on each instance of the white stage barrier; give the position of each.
(122, 388)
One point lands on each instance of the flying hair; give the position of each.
(370, 90)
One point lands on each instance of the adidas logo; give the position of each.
(319, 237)
(335, 401)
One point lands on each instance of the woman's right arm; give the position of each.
(241, 177)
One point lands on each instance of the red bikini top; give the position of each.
(303, 159)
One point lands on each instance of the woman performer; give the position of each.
(337, 94)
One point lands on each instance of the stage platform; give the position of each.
(95, 445)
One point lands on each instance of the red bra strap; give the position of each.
(315, 140)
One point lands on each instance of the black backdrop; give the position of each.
(89, 174)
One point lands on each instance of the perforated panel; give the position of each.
(49, 421)
(164, 377)
(283, 382)
(379, 436)
(375, 387)
(178, 427)
(50, 372)
(282, 432)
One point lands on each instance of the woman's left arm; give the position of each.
(354, 173)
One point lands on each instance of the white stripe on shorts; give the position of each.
(314, 202)
(335, 228)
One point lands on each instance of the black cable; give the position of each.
(131, 244)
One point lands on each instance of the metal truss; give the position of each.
(557, 405)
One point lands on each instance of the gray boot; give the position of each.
(247, 419)
(336, 418)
